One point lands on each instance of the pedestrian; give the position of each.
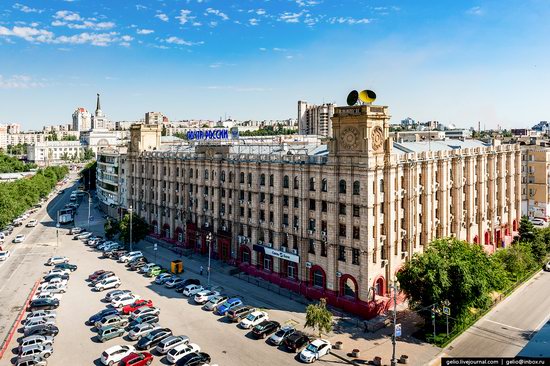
(202, 269)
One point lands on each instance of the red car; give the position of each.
(96, 274)
(137, 359)
(137, 304)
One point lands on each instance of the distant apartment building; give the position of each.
(416, 136)
(155, 118)
(458, 134)
(54, 152)
(535, 179)
(82, 120)
(315, 119)
(26, 138)
(14, 128)
(111, 179)
(3, 137)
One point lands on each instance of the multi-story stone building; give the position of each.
(54, 152)
(111, 179)
(334, 221)
(315, 119)
(535, 168)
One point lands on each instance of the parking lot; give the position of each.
(76, 343)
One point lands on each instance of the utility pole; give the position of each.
(130, 213)
(393, 340)
(209, 241)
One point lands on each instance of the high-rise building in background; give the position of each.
(315, 119)
(81, 120)
(14, 128)
(154, 118)
(99, 120)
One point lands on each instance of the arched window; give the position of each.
(324, 185)
(262, 180)
(206, 174)
(285, 181)
(222, 176)
(356, 188)
(379, 286)
(271, 178)
(230, 177)
(312, 184)
(349, 288)
(296, 183)
(342, 186)
(318, 278)
(241, 178)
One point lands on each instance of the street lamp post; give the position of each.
(394, 340)
(131, 214)
(209, 241)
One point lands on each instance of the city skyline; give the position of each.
(457, 63)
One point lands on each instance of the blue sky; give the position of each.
(452, 61)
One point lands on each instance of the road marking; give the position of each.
(505, 325)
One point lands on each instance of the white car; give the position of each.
(202, 297)
(191, 290)
(111, 282)
(141, 330)
(111, 295)
(144, 310)
(47, 295)
(19, 238)
(315, 350)
(4, 254)
(59, 271)
(55, 280)
(537, 221)
(112, 356)
(32, 223)
(180, 351)
(146, 268)
(75, 230)
(41, 314)
(53, 288)
(125, 300)
(52, 261)
(125, 258)
(253, 319)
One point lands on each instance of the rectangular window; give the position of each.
(342, 230)
(262, 197)
(311, 246)
(356, 211)
(285, 201)
(341, 253)
(355, 256)
(324, 206)
(296, 202)
(342, 208)
(271, 198)
(312, 205)
(356, 232)
(285, 219)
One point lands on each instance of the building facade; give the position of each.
(154, 118)
(54, 152)
(81, 120)
(535, 168)
(334, 221)
(315, 119)
(99, 120)
(111, 179)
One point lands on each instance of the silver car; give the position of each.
(114, 293)
(39, 314)
(144, 310)
(39, 321)
(31, 361)
(35, 339)
(141, 330)
(37, 350)
(170, 342)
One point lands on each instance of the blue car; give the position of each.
(228, 305)
(103, 313)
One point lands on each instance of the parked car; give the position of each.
(36, 350)
(48, 278)
(537, 221)
(19, 238)
(253, 319)
(203, 296)
(153, 338)
(214, 302)
(278, 338)
(137, 304)
(46, 330)
(31, 361)
(59, 271)
(35, 339)
(192, 290)
(190, 281)
(124, 300)
(136, 265)
(113, 355)
(103, 276)
(228, 305)
(137, 359)
(109, 332)
(56, 280)
(46, 295)
(57, 260)
(315, 350)
(96, 274)
(171, 342)
(53, 288)
(40, 314)
(179, 352)
(148, 318)
(102, 314)
(111, 320)
(547, 267)
(125, 258)
(112, 282)
(141, 330)
(146, 268)
(32, 223)
(70, 267)
(83, 236)
(173, 282)
(76, 230)
(265, 328)
(4, 254)
(155, 271)
(240, 312)
(109, 296)
(144, 310)
(194, 359)
(118, 253)
(43, 304)
(296, 341)
(162, 278)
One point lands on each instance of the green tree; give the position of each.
(88, 154)
(111, 228)
(65, 156)
(526, 229)
(453, 270)
(140, 228)
(517, 260)
(52, 136)
(163, 132)
(319, 317)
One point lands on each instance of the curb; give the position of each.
(17, 322)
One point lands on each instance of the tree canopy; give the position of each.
(140, 228)
(9, 164)
(319, 317)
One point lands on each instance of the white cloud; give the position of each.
(95, 39)
(73, 20)
(127, 38)
(217, 12)
(184, 16)
(304, 3)
(140, 7)
(217, 65)
(28, 34)
(69, 16)
(197, 24)
(213, 24)
(476, 10)
(26, 9)
(277, 49)
(162, 17)
(182, 42)
(348, 20)
(260, 12)
(145, 31)
(19, 82)
(288, 17)
(263, 49)
(289, 57)
(253, 21)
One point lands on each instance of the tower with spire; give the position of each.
(99, 121)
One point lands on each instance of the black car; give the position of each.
(153, 338)
(137, 260)
(100, 315)
(147, 318)
(194, 359)
(44, 329)
(116, 254)
(265, 328)
(43, 304)
(190, 281)
(70, 267)
(48, 278)
(296, 340)
(137, 265)
(102, 276)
